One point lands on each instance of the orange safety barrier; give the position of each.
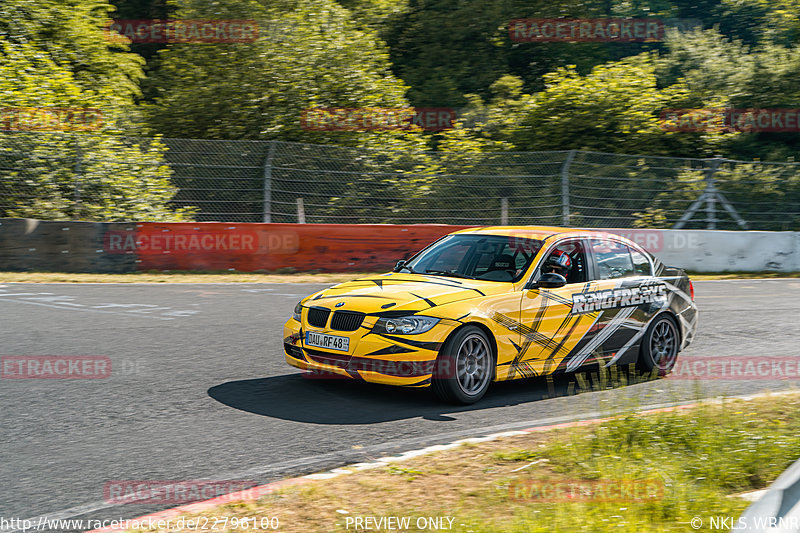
(251, 247)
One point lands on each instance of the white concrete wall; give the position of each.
(720, 251)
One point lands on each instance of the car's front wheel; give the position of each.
(660, 346)
(465, 367)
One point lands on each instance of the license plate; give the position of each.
(331, 342)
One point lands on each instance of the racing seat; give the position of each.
(503, 262)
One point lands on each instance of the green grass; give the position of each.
(700, 458)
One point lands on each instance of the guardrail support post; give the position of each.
(301, 212)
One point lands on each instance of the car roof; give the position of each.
(543, 232)
(533, 232)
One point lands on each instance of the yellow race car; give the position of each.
(498, 303)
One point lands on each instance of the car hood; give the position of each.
(389, 293)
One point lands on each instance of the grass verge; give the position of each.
(670, 466)
(276, 277)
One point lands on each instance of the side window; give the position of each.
(569, 260)
(613, 259)
(641, 265)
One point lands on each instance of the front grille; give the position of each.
(318, 316)
(347, 320)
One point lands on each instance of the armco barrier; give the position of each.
(720, 251)
(27, 244)
(250, 247)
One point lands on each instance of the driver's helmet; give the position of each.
(559, 262)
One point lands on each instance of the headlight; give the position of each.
(298, 309)
(405, 325)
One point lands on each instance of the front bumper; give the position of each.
(401, 360)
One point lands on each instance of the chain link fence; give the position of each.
(91, 177)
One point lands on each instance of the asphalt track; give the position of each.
(199, 390)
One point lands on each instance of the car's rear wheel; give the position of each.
(465, 367)
(660, 346)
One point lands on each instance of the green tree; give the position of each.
(53, 175)
(615, 108)
(56, 176)
(446, 49)
(308, 55)
(725, 73)
(375, 14)
(71, 33)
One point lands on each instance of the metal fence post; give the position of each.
(268, 182)
(301, 212)
(504, 211)
(711, 195)
(76, 192)
(565, 188)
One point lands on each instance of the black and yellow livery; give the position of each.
(498, 303)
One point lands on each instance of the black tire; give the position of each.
(465, 367)
(660, 346)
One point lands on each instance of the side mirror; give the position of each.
(551, 280)
(399, 266)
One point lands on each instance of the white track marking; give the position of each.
(54, 301)
(84, 309)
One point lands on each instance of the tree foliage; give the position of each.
(71, 34)
(309, 54)
(510, 96)
(46, 63)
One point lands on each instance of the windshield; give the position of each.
(486, 257)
